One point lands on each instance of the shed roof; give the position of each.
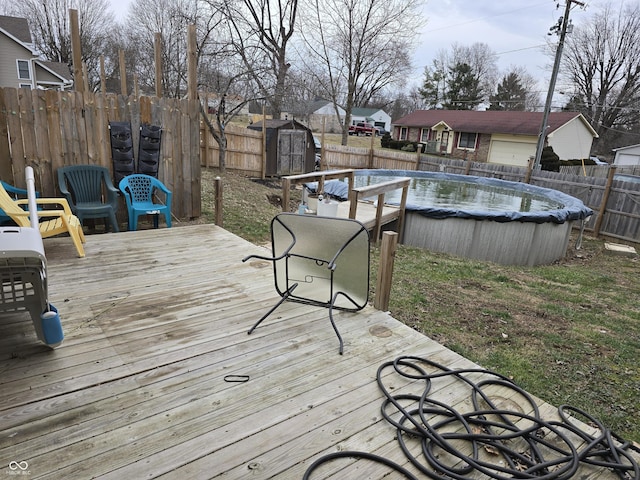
(490, 121)
(277, 123)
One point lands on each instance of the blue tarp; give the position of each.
(336, 189)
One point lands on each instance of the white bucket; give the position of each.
(328, 209)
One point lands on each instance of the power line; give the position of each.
(488, 17)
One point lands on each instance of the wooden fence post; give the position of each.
(373, 137)
(286, 189)
(605, 199)
(527, 177)
(76, 51)
(157, 55)
(385, 270)
(123, 73)
(263, 174)
(192, 63)
(218, 194)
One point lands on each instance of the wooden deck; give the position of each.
(155, 321)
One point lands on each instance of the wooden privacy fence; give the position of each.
(48, 129)
(244, 152)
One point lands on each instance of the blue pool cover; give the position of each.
(565, 207)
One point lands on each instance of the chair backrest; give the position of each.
(85, 182)
(324, 256)
(15, 193)
(139, 187)
(11, 208)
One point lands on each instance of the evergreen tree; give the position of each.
(510, 94)
(433, 87)
(463, 88)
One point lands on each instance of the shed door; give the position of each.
(291, 151)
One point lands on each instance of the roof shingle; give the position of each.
(490, 121)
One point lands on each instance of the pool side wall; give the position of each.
(506, 243)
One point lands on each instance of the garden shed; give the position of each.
(290, 149)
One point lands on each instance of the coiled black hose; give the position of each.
(494, 444)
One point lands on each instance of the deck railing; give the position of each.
(356, 195)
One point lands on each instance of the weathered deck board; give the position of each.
(154, 320)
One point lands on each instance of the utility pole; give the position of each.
(552, 82)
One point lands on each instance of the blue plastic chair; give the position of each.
(139, 190)
(90, 192)
(15, 193)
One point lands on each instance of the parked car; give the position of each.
(597, 161)
(362, 128)
(318, 148)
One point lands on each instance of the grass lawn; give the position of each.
(568, 333)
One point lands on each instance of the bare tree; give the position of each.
(169, 18)
(261, 31)
(358, 48)
(51, 31)
(481, 59)
(602, 62)
(472, 68)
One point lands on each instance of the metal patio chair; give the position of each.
(322, 261)
(90, 193)
(23, 274)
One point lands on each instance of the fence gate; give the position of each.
(291, 151)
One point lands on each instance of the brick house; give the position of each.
(503, 137)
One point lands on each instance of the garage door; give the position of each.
(511, 153)
(627, 159)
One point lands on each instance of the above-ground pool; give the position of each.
(484, 218)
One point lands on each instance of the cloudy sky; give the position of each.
(516, 30)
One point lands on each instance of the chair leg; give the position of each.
(284, 297)
(114, 222)
(77, 236)
(333, 324)
(167, 218)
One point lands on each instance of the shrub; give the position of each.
(549, 160)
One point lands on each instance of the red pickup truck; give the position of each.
(362, 128)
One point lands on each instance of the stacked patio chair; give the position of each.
(23, 274)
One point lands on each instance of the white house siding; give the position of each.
(571, 141)
(326, 114)
(11, 51)
(379, 117)
(511, 149)
(46, 77)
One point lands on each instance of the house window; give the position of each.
(403, 133)
(424, 135)
(467, 140)
(23, 70)
(25, 85)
